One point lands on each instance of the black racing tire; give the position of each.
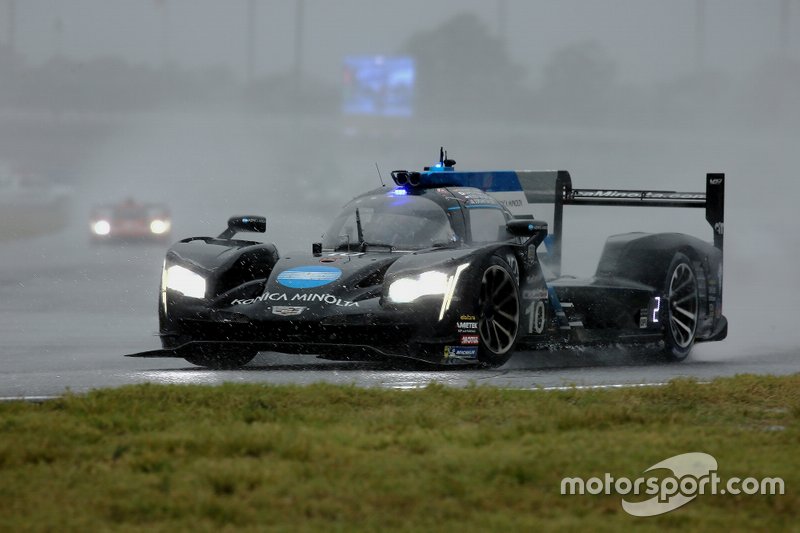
(683, 311)
(221, 358)
(498, 313)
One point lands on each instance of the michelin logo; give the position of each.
(461, 352)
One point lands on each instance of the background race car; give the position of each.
(130, 221)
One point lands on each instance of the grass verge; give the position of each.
(345, 458)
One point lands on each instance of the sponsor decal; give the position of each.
(308, 277)
(644, 195)
(514, 201)
(325, 298)
(472, 197)
(344, 254)
(715, 181)
(248, 301)
(309, 297)
(469, 339)
(511, 203)
(469, 326)
(719, 227)
(468, 317)
(287, 310)
(463, 352)
(534, 294)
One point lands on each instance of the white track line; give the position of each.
(609, 386)
(418, 385)
(33, 399)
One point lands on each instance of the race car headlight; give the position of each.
(185, 281)
(159, 226)
(405, 290)
(101, 227)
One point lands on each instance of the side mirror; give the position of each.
(253, 224)
(535, 230)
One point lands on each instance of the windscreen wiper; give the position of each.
(360, 230)
(441, 246)
(365, 245)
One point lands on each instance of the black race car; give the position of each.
(439, 269)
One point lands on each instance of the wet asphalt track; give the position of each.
(68, 312)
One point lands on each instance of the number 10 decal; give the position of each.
(537, 317)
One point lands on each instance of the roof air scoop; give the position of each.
(406, 177)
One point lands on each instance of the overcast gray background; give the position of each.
(650, 39)
(103, 97)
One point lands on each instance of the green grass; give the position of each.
(345, 458)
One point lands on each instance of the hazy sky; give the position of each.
(649, 39)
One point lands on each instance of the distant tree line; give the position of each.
(463, 73)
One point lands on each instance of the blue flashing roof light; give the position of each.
(439, 167)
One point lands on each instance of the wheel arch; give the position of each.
(645, 257)
(227, 263)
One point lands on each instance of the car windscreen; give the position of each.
(139, 212)
(402, 222)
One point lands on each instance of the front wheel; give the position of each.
(683, 311)
(498, 305)
(221, 358)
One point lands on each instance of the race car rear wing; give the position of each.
(713, 201)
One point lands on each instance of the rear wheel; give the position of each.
(221, 358)
(683, 311)
(498, 305)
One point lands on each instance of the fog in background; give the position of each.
(221, 108)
